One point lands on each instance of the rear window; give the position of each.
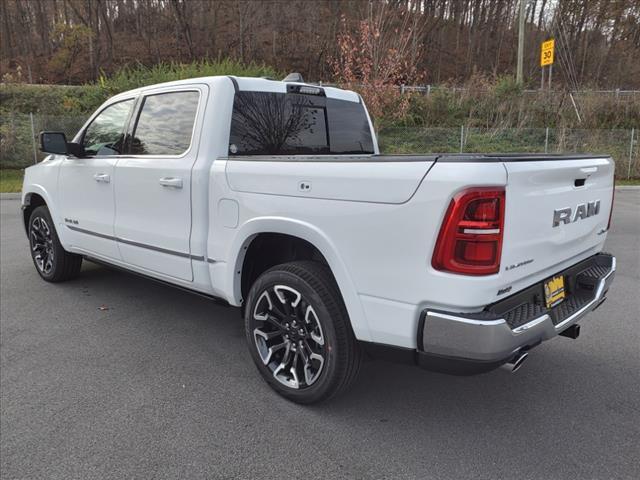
(266, 123)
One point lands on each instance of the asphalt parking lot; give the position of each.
(158, 384)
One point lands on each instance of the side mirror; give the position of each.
(56, 142)
(53, 142)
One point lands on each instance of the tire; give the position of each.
(299, 334)
(53, 263)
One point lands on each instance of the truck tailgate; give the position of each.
(557, 208)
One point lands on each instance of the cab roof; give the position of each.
(252, 84)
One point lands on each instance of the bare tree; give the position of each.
(449, 40)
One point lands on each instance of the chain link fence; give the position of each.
(19, 136)
(621, 144)
(429, 89)
(19, 149)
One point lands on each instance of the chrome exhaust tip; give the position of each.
(516, 362)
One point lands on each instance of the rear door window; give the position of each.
(267, 123)
(165, 124)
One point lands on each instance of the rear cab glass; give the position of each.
(268, 123)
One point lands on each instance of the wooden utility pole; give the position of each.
(520, 42)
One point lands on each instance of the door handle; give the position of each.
(102, 178)
(171, 182)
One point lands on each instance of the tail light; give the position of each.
(470, 239)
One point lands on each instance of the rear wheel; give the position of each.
(52, 262)
(299, 333)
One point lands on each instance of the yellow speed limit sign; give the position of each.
(546, 52)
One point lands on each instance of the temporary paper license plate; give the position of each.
(554, 291)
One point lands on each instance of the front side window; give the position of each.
(165, 124)
(266, 123)
(105, 133)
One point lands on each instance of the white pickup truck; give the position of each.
(272, 196)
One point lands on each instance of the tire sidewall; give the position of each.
(327, 380)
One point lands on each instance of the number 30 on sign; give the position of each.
(546, 52)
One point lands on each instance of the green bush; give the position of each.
(502, 103)
(140, 75)
(16, 145)
(50, 99)
(84, 99)
(11, 180)
(609, 142)
(62, 107)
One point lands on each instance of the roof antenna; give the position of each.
(293, 77)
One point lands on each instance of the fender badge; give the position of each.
(519, 264)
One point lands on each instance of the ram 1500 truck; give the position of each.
(273, 196)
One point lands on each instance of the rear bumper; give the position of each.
(474, 343)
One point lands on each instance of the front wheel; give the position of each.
(53, 263)
(299, 333)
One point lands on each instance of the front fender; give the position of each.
(42, 179)
(29, 190)
(34, 189)
(248, 231)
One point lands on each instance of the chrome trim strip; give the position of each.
(531, 324)
(152, 247)
(482, 231)
(199, 258)
(89, 232)
(470, 321)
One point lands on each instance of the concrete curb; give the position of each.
(628, 187)
(10, 196)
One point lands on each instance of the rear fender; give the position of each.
(311, 234)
